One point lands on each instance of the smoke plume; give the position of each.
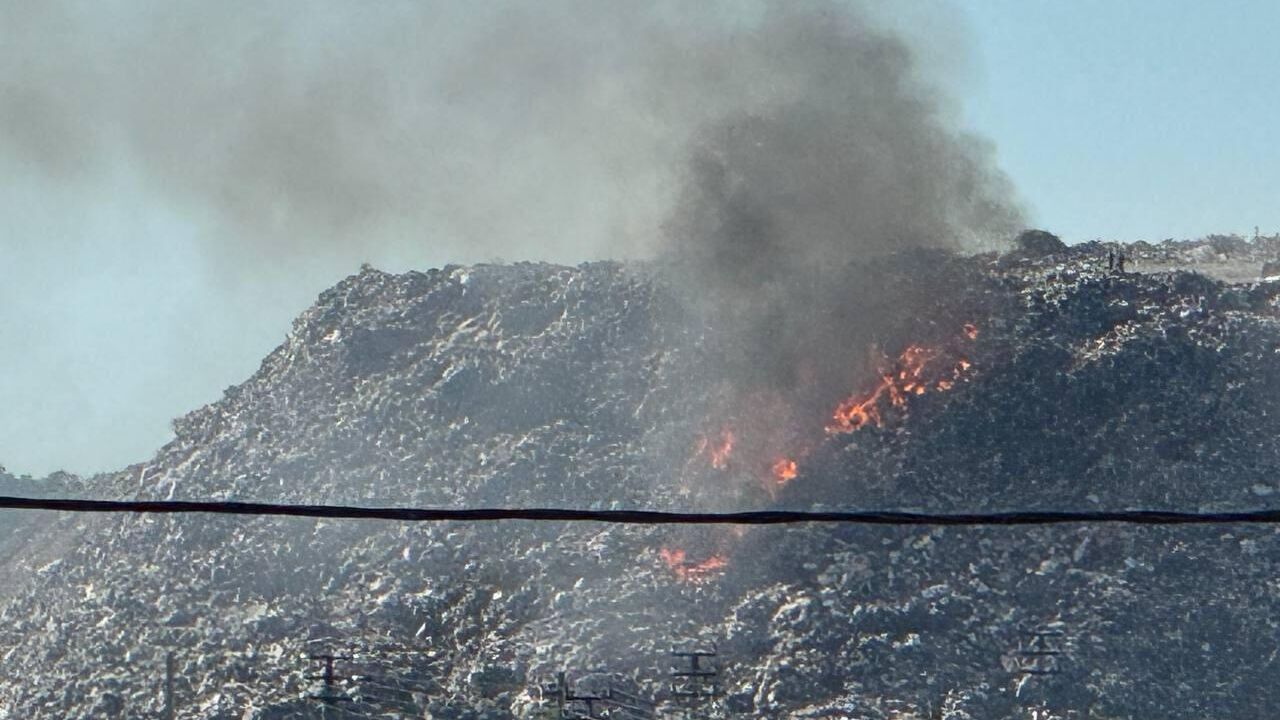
(550, 130)
(292, 141)
(843, 155)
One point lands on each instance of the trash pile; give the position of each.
(536, 385)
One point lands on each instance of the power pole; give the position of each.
(168, 686)
(695, 683)
(330, 694)
(1038, 657)
(613, 702)
(565, 697)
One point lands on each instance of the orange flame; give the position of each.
(917, 370)
(784, 470)
(911, 376)
(718, 452)
(690, 571)
(856, 412)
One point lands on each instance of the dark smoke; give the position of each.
(851, 157)
(297, 140)
(845, 157)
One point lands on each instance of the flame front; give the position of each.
(784, 470)
(918, 370)
(915, 373)
(857, 412)
(688, 571)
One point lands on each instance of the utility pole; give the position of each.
(168, 685)
(565, 695)
(1038, 657)
(330, 694)
(618, 703)
(562, 694)
(695, 683)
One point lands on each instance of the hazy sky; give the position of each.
(124, 301)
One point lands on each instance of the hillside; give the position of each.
(992, 383)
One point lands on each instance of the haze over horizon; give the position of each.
(143, 273)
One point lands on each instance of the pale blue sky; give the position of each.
(123, 301)
(1134, 119)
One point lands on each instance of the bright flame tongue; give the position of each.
(858, 412)
(909, 377)
(784, 470)
(691, 571)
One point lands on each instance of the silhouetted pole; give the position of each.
(330, 695)
(168, 685)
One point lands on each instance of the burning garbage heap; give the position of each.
(984, 383)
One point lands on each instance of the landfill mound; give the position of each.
(1008, 383)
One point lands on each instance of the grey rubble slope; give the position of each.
(535, 384)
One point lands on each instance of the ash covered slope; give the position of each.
(489, 384)
(590, 386)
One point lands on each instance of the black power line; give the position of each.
(644, 517)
